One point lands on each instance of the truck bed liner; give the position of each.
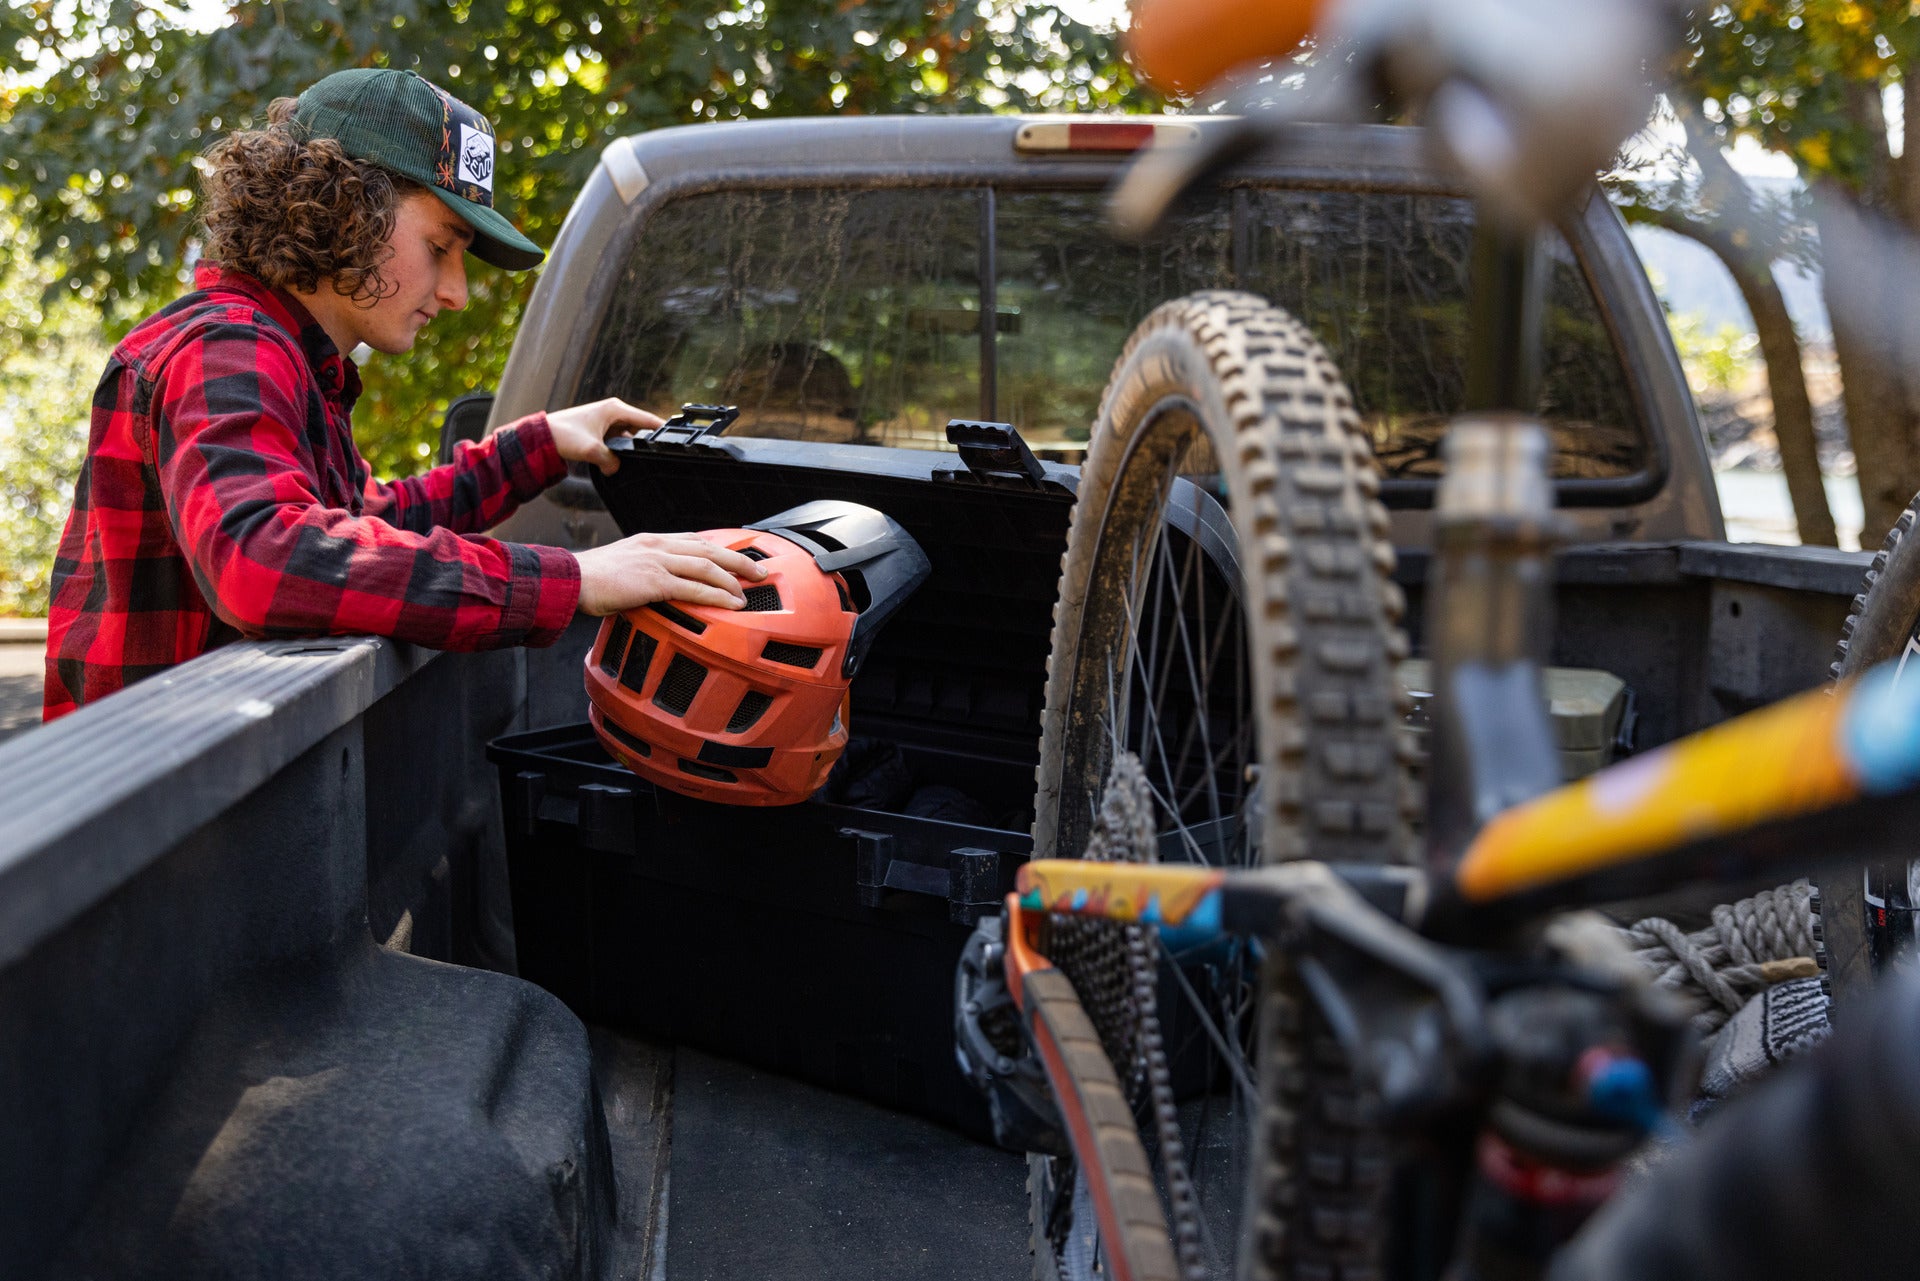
(730, 1174)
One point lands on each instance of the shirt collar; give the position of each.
(338, 376)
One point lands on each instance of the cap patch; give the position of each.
(475, 163)
(465, 163)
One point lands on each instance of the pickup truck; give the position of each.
(261, 916)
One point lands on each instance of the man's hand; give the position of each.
(580, 433)
(646, 568)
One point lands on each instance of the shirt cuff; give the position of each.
(544, 595)
(532, 460)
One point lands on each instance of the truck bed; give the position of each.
(725, 1173)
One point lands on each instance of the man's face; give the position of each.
(426, 274)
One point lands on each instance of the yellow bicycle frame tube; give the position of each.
(1797, 757)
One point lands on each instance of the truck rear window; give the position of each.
(857, 315)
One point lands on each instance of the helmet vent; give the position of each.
(713, 772)
(763, 598)
(753, 705)
(712, 753)
(634, 674)
(791, 655)
(679, 685)
(857, 587)
(673, 615)
(753, 553)
(638, 746)
(616, 648)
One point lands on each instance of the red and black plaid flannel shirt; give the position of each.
(223, 497)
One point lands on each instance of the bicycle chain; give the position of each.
(1115, 972)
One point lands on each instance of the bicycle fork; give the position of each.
(1489, 623)
(1580, 1084)
(1490, 595)
(1545, 1155)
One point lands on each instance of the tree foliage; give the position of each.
(102, 152)
(1805, 78)
(1808, 78)
(51, 353)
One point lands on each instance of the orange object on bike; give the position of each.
(749, 706)
(1185, 45)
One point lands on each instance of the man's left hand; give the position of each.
(580, 433)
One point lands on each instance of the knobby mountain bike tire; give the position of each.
(1883, 624)
(1227, 614)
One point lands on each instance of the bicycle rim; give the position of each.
(1226, 617)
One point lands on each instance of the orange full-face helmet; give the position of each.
(749, 706)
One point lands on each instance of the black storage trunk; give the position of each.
(816, 940)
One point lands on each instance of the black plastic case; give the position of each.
(816, 940)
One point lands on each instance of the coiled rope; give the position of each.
(1750, 945)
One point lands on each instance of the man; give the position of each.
(223, 495)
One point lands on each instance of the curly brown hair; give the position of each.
(294, 211)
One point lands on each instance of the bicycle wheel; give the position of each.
(1867, 915)
(1226, 618)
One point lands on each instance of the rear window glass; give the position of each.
(824, 315)
(1381, 279)
(858, 315)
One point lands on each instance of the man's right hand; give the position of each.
(646, 568)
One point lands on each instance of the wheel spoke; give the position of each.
(1237, 1065)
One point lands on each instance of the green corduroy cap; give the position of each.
(406, 124)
